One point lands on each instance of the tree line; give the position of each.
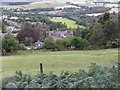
(102, 33)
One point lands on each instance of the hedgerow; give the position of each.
(96, 77)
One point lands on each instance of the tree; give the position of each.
(111, 29)
(68, 41)
(57, 26)
(2, 27)
(104, 18)
(9, 44)
(42, 30)
(87, 33)
(28, 35)
(77, 32)
(78, 42)
(98, 36)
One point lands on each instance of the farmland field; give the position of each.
(69, 23)
(57, 61)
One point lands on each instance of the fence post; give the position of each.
(41, 68)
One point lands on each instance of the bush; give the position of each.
(96, 77)
(78, 42)
(49, 43)
(61, 44)
(15, 31)
(113, 44)
(108, 44)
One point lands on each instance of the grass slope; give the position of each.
(69, 23)
(57, 61)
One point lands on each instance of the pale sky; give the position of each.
(49, 0)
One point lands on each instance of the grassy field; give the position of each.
(69, 23)
(57, 61)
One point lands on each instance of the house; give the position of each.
(38, 44)
(15, 18)
(2, 35)
(12, 23)
(3, 17)
(56, 18)
(12, 28)
(15, 35)
(28, 48)
(60, 34)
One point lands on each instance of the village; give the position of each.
(14, 28)
(56, 30)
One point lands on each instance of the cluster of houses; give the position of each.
(60, 34)
(14, 26)
(55, 35)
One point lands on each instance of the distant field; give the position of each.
(94, 14)
(37, 5)
(44, 5)
(10, 7)
(57, 61)
(114, 10)
(89, 4)
(69, 23)
(112, 5)
(49, 4)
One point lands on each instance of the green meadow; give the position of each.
(57, 61)
(69, 23)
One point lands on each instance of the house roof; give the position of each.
(60, 34)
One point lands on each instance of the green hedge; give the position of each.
(96, 77)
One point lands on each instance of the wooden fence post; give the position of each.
(41, 68)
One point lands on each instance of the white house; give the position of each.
(15, 18)
(12, 28)
(56, 17)
(38, 44)
(60, 34)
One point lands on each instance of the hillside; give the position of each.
(49, 3)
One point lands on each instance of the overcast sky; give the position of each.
(45, 0)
